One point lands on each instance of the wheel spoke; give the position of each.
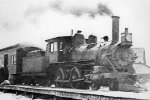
(59, 76)
(74, 75)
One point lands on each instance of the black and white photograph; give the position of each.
(74, 50)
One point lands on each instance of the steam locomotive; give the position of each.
(74, 62)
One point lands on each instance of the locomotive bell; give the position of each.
(126, 38)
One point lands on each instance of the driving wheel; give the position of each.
(74, 76)
(60, 76)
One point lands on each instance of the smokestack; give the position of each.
(115, 29)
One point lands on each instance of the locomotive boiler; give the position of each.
(107, 53)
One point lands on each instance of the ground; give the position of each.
(9, 96)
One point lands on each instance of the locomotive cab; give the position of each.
(55, 48)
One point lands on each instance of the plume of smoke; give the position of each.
(10, 26)
(100, 9)
(104, 10)
(34, 10)
(57, 5)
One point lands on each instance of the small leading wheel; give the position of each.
(95, 85)
(74, 76)
(126, 83)
(59, 77)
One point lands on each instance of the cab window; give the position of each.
(13, 59)
(61, 46)
(53, 46)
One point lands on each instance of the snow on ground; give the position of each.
(9, 96)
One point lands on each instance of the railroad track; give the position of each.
(61, 93)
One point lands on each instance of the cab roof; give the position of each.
(58, 38)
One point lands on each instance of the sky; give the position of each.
(34, 21)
